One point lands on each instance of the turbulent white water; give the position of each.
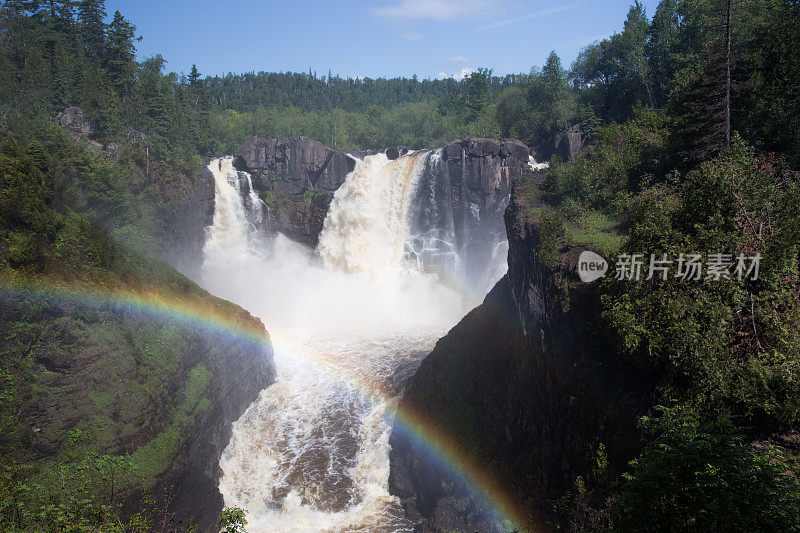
(535, 165)
(349, 323)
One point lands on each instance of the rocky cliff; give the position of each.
(185, 207)
(297, 178)
(565, 145)
(525, 384)
(239, 372)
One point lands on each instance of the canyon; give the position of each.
(525, 374)
(362, 266)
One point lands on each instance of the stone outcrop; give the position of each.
(75, 121)
(524, 383)
(479, 174)
(297, 178)
(394, 152)
(188, 211)
(567, 145)
(488, 167)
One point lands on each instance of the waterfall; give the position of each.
(354, 316)
(432, 245)
(236, 233)
(399, 215)
(366, 227)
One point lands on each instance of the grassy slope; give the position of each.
(581, 225)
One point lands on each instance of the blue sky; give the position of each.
(375, 38)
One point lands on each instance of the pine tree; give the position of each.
(91, 14)
(704, 91)
(120, 53)
(195, 87)
(60, 14)
(194, 76)
(23, 7)
(663, 44)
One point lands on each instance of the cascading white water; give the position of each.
(234, 235)
(366, 226)
(349, 324)
(535, 165)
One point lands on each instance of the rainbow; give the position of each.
(215, 319)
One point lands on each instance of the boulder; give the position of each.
(515, 149)
(396, 151)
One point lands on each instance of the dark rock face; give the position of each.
(487, 165)
(525, 382)
(189, 211)
(567, 146)
(301, 176)
(396, 151)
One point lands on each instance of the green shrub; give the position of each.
(705, 477)
(551, 235)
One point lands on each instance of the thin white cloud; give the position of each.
(529, 16)
(413, 37)
(458, 76)
(438, 9)
(456, 59)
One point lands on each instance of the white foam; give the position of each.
(535, 166)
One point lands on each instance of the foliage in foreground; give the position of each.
(706, 477)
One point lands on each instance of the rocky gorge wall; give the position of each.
(239, 374)
(101, 378)
(185, 209)
(525, 385)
